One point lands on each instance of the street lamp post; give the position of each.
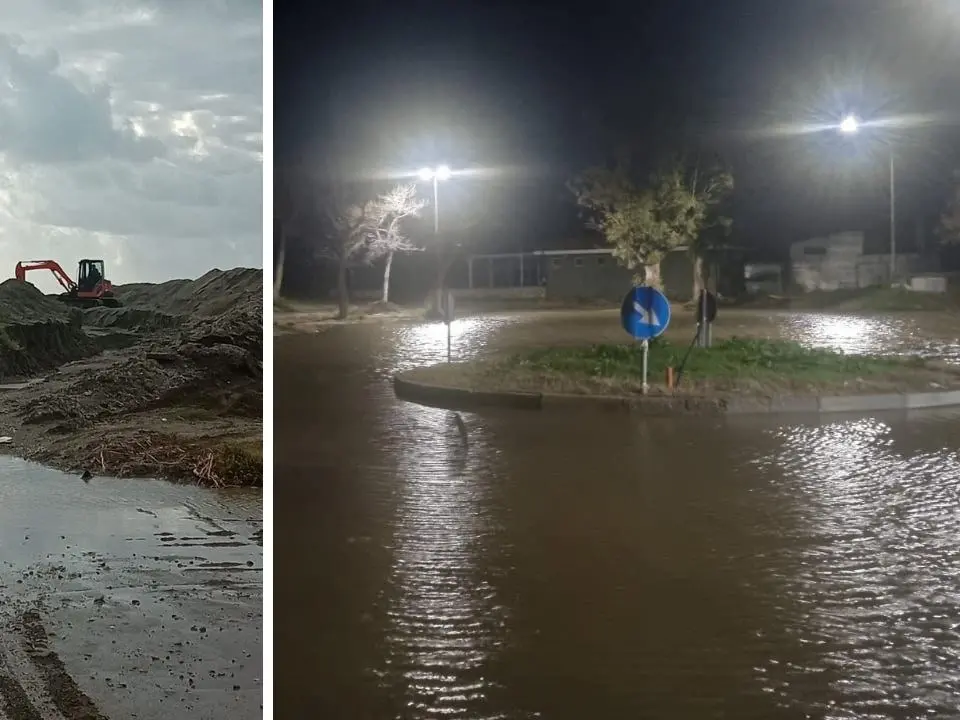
(850, 125)
(893, 221)
(435, 175)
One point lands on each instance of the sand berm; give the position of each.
(168, 385)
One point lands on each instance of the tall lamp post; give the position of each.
(436, 175)
(850, 126)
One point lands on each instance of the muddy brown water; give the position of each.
(596, 566)
(149, 593)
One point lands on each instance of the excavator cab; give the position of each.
(89, 276)
(91, 288)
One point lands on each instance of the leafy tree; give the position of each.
(638, 221)
(949, 228)
(706, 227)
(644, 222)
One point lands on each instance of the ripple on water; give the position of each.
(873, 564)
(867, 335)
(814, 565)
(443, 618)
(426, 343)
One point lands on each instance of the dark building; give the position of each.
(596, 275)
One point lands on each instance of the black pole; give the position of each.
(683, 362)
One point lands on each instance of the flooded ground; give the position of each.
(127, 598)
(599, 566)
(928, 334)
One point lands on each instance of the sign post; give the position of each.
(645, 314)
(448, 312)
(706, 314)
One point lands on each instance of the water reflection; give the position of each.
(874, 561)
(426, 343)
(589, 566)
(872, 335)
(443, 611)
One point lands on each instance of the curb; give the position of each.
(454, 398)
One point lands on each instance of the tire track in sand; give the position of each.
(34, 684)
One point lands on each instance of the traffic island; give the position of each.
(733, 376)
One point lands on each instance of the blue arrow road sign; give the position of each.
(645, 312)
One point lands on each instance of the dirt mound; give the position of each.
(37, 333)
(136, 319)
(215, 292)
(21, 303)
(180, 394)
(159, 309)
(215, 363)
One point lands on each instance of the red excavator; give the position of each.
(91, 288)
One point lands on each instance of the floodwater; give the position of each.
(601, 566)
(125, 574)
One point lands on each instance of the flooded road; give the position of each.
(127, 598)
(930, 334)
(575, 566)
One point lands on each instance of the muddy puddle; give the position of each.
(147, 594)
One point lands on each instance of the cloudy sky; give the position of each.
(131, 130)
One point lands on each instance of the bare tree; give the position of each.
(347, 226)
(344, 223)
(387, 238)
(285, 215)
(949, 228)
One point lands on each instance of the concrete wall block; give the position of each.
(789, 404)
(932, 399)
(744, 406)
(863, 403)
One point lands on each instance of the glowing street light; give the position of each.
(441, 172)
(850, 126)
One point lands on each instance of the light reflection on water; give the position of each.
(865, 335)
(442, 609)
(872, 561)
(426, 343)
(658, 568)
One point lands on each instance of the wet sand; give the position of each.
(127, 599)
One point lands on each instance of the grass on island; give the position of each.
(726, 359)
(742, 366)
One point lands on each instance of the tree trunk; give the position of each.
(386, 278)
(343, 295)
(699, 276)
(651, 275)
(279, 262)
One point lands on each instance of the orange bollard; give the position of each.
(669, 378)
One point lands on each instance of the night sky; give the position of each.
(531, 92)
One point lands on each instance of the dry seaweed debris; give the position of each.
(221, 463)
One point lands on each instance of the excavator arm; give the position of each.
(52, 265)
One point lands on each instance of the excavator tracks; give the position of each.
(34, 684)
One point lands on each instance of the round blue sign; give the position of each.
(645, 312)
